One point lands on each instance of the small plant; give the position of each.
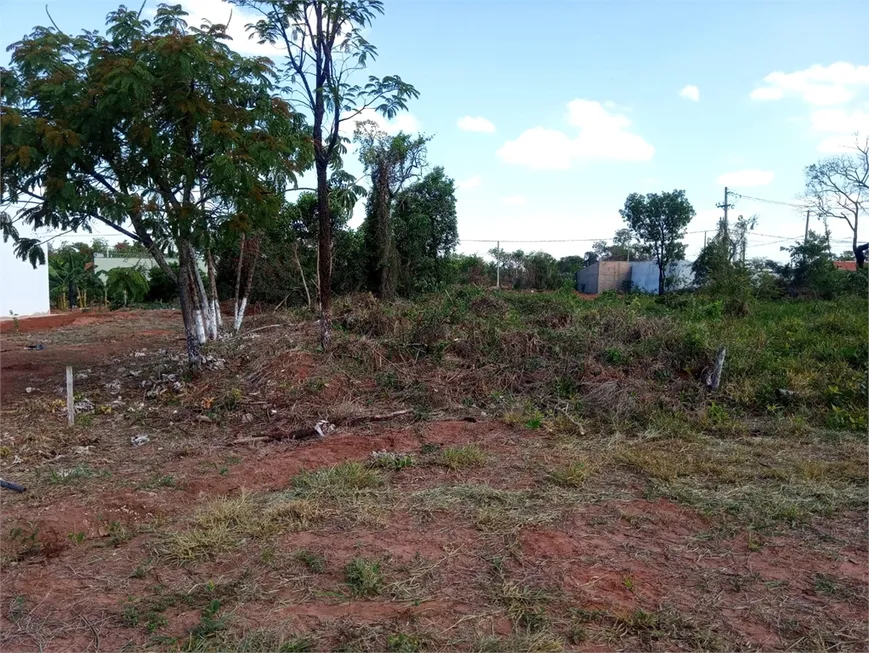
(401, 643)
(313, 561)
(391, 460)
(573, 475)
(429, 448)
(628, 582)
(66, 476)
(458, 457)
(76, 538)
(209, 625)
(755, 542)
(364, 577)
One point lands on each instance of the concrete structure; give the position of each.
(603, 276)
(145, 263)
(639, 276)
(23, 289)
(644, 276)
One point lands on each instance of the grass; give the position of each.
(571, 476)
(756, 481)
(490, 509)
(461, 457)
(228, 522)
(364, 577)
(339, 482)
(313, 561)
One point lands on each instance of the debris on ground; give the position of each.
(139, 440)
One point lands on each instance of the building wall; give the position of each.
(613, 275)
(586, 279)
(23, 290)
(107, 263)
(644, 276)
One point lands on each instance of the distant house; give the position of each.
(851, 266)
(603, 276)
(23, 289)
(635, 275)
(144, 263)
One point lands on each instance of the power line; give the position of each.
(767, 201)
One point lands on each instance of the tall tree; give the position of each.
(391, 161)
(158, 130)
(425, 231)
(659, 221)
(325, 48)
(838, 187)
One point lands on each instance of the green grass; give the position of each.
(571, 476)
(461, 457)
(313, 561)
(364, 577)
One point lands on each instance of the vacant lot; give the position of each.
(506, 472)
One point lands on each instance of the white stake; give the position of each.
(70, 406)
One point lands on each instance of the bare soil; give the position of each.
(490, 555)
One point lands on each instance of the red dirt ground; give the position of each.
(612, 550)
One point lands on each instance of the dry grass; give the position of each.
(228, 522)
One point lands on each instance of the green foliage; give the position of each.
(390, 161)
(126, 285)
(155, 126)
(364, 577)
(425, 233)
(162, 288)
(659, 222)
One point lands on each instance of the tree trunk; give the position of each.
(205, 305)
(254, 253)
(187, 309)
(215, 300)
(238, 276)
(324, 250)
(383, 229)
(661, 278)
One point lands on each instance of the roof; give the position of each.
(845, 265)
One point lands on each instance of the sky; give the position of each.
(549, 114)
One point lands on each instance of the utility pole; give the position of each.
(726, 206)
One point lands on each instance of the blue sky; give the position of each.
(576, 104)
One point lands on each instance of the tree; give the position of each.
(659, 221)
(325, 48)
(127, 284)
(159, 131)
(391, 161)
(838, 187)
(425, 231)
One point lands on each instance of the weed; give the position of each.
(573, 475)
(459, 457)
(540, 642)
(76, 538)
(67, 476)
(313, 561)
(364, 577)
(209, 626)
(391, 460)
(336, 482)
(158, 481)
(401, 643)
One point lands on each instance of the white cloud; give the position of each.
(840, 125)
(514, 200)
(476, 124)
(602, 135)
(472, 182)
(747, 178)
(690, 93)
(817, 85)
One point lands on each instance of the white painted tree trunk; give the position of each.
(239, 315)
(200, 328)
(218, 318)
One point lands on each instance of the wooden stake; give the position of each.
(70, 406)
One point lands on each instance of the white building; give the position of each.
(23, 289)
